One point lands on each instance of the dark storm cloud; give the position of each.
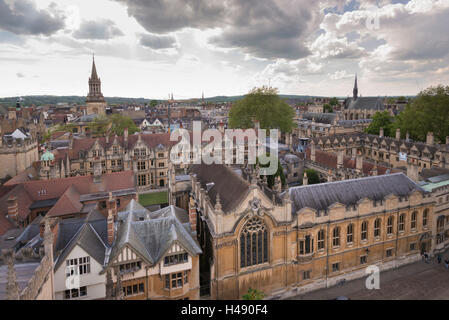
(23, 17)
(99, 30)
(157, 42)
(262, 28)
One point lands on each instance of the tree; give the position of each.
(99, 126)
(265, 105)
(153, 103)
(381, 120)
(253, 294)
(333, 102)
(328, 109)
(312, 177)
(119, 123)
(429, 112)
(272, 179)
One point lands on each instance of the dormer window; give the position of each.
(176, 259)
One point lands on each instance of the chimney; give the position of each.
(305, 180)
(110, 223)
(192, 214)
(398, 134)
(340, 157)
(329, 176)
(13, 208)
(381, 133)
(112, 206)
(359, 163)
(407, 137)
(430, 139)
(97, 172)
(313, 152)
(221, 127)
(413, 171)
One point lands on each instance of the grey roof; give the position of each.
(151, 234)
(327, 118)
(291, 158)
(89, 233)
(362, 103)
(349, 192)
(24, 272)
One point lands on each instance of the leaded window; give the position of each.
(253, 243)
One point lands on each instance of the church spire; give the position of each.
(94, 75)
(356, 89)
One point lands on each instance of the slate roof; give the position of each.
(362, 103)
(231, 187)
(326, 118)
(151, 234)
(349, 192)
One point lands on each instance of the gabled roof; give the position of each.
(68, 203)
(151, 234)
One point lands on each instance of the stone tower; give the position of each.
(95, 101)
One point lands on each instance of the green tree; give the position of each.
(429, 112)
(99, 126)
(265, 105)
(333, 102)
(381, 120)
(272, 179)
(253, 294)
(312, 177)
(119, 123)
(327, 108)
(153, 103)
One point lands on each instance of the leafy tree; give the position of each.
(99, 126)
(153, 103)
(312, 176)
(253, 294)
(429, 112)
(265, 105)
(327, 108)
(119, 123)
(333, 102)
(272, 179)
(381, 120)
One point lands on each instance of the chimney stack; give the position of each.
(430, 139)
(97, 171)
(413, 171)
(221, 127)
(359, 163)
(13, 208)
(305, 180)
(313, 152)
(192, 214)
(398, 134)
(110, 222)
(381, 133)
(340, 158)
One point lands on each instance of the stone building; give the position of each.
(391, 152)
(95, 102)
(308, 238)
(147, 155)
(18, 151)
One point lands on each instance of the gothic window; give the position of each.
(321, 240)
(253, 243)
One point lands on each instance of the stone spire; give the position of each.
(94, 75)
(356, 89)
(12, 287)
(94, 94)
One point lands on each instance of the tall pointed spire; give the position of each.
(356, 89)
(94, 95)
(93, 75)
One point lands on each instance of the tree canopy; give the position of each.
(312, 177)
(253, 294)
(272, 179)
(114, 124)
(381, 120)
(429, 112)
(333, 102)
(327, 108)
(265, 105)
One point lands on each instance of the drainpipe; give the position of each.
(327, 252)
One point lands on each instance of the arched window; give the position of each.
(336, 237)
(321, 240)
(425, 217)
(377, 228)
(402, 222)
(413, 220)
(350, 233)
(253, 243)
(364, 233)
(440, 223)
(390, 225)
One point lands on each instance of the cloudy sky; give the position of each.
(150, 48)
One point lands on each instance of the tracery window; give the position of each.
(253, 243)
